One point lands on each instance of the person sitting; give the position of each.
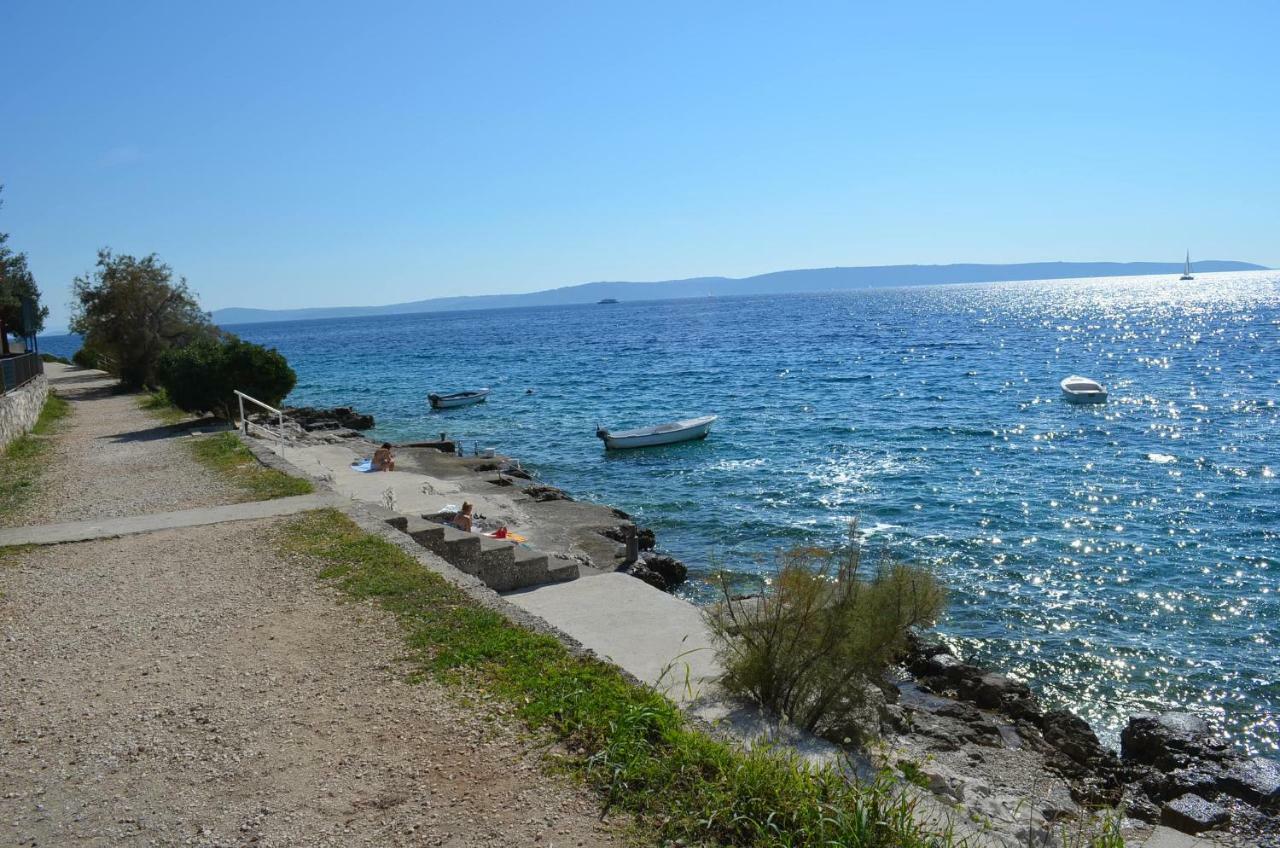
(463, 519)
(384, 459)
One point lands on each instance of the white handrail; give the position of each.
(245, 422)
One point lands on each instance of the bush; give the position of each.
(86, 358)
(203, 376)
(808, 648)
(49, 357)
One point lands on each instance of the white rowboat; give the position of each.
(1083, 390)
(663, 434)
(457, 399)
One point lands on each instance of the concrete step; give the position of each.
(501, 564)
(425, 533)
(561, 570)
(459, 547)
(496, 552)
(391, 517)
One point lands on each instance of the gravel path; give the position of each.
(188, 687)
(112, 459)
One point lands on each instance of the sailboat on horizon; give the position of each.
(1186, 269)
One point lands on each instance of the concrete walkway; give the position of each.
(659, 638)
(83, 531)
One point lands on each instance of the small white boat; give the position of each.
(457, 399)
(1083, 390)
(663, 434)
(1186, 269)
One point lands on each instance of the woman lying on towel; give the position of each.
(384, 459)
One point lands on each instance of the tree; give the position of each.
(131, 312)
(16, 285)
(203, 376)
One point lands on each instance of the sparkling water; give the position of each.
(1119, 557)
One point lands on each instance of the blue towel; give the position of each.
(363, 465)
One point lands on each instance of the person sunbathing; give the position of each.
(463, 519)
(384, 459)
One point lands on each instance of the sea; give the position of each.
(1119, 557)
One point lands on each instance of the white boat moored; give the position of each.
(457, 399)
(663, 434)
(1083, 390)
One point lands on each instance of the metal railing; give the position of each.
(245, 423)
(17, 371)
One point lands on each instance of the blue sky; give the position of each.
(315, 154)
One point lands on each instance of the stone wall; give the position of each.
(20, 408)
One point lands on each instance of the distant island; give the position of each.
(777, 282)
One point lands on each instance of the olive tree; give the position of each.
(130, 311)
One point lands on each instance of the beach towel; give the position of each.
(362, 465)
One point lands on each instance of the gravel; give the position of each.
(190, 687)
(112, 459)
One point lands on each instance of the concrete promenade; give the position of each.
(83, 531)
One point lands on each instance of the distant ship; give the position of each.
(608, 300)
(1186, 269)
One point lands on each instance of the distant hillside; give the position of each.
(778, 282)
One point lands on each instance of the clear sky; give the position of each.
(319, 154)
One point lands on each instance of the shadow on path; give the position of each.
(170, 431)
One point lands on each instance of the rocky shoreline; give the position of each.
(1171, 769)
(976, 739)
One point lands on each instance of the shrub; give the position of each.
(203, 376)
(49, 357)
(825, 630)
(86, 358)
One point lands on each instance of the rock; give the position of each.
(944, 667)
(646, 539)
(1169, 741)
(1256, 780)
(617, 534)
(995, 689)
(1193, 814)
(673, 571)
(541, 494)
(922, 647)
(311, 418)
(1071, 735)
(648, 575)
(1199, 779)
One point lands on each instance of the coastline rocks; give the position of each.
(639, 570)
(1169, 741)
(340, 417)
(1256, 780)
(1193, 814)
(541, 494)
(659, 571)
(673, 571)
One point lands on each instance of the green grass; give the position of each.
(225, 454)
(628, 742)
(24, 458)
(158, 404)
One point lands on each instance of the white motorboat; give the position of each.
(1083, 390)
(663, 434)
(457, 399)
(1186, 269)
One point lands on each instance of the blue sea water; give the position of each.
(1121, 557)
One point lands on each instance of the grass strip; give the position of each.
(227, 455)
(158, 404)
(23, 459)
(628, 742)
